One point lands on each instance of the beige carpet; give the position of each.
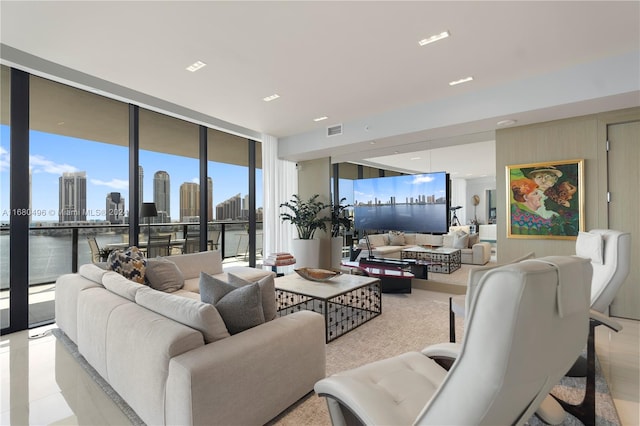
(410, 322)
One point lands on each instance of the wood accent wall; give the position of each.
(568, 139)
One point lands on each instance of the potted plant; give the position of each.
(305, 216)
(340, 222)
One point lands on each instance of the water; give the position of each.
(51, 255)
(403, 217)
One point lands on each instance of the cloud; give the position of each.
(422, 179)
(195, 180)
(113, 183)
(4, 159)
(40, 164)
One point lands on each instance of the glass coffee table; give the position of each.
(346, 301)
(441, 259)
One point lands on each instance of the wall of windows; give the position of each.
(79, 184)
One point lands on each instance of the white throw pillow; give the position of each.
(460, 240)
(590, 246)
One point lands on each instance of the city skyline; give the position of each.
(106, 168)
(402, 189)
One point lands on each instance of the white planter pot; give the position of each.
(336, 252)
(306, 252)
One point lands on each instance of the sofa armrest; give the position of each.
(445, 354)
(481, 253)
(250, 377)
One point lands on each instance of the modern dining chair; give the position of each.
(191, 243)
(95, 250)
(159, 245)
(523, 333)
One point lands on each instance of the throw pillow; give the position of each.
(240, 307)
(460, 240)
(129, 263)
(163, 275)
(267, 293)
(590, 246)
(396, 238)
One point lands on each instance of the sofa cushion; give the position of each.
(92, 272)
(121, 286)
(130, 263)
(410, 239)
(590, 246)
(163, 275)
(200, 316)
(429, 240)
(192, 264)
(378, 240)
(240, 307)
(396, 238)
(460, 240)
(267, 287)
(473, 239)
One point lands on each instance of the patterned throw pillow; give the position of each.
(129, 263)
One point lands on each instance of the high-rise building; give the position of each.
(162, 195)
(73, 197)
(230, 209)
(189, 202)
(114, 208)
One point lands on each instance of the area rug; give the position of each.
(97, 378)
(409, 323)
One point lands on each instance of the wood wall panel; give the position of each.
(575, 138)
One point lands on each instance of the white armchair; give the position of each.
(523, 333)
(609, 252)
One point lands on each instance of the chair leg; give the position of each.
(452, 323)
(586, 410)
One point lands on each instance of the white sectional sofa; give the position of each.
(391, 244)
(170, 356)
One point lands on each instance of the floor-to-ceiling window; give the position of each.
(169, 175)
(228, 167)
(75, 171)
(78, 183)
(5, 123)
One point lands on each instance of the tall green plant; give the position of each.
(305, 215)
(340, 219)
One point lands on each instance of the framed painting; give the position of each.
(545, 200)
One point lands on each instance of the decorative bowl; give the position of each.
(315, 274)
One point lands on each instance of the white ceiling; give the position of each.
(344, 60)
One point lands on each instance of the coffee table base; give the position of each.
(341, 313)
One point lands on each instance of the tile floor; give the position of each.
(41, 384)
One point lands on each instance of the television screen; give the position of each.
(412, 203)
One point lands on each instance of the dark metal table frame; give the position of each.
(440, 262)
(342, 312)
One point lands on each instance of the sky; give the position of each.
(401, 187)
(106, 168)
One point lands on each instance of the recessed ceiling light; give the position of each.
(270, 98)
(415, 158)
(320, 118)
(433, 38)
(196, 66)
(396, 152)
(507, 122)
(372, 142)
(462, 80)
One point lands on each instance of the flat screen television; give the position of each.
(412, 203)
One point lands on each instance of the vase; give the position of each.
(306, 252)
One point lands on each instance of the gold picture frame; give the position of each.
(545, 200)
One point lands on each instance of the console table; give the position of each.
(346, 301)
(395, 275)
